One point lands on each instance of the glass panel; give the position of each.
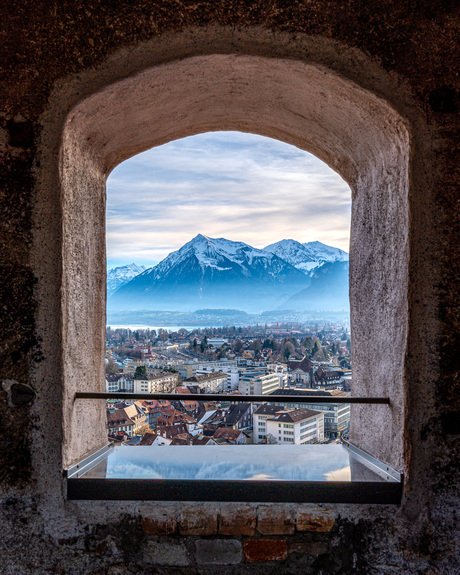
(235, 462)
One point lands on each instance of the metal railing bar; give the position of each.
(234, 398)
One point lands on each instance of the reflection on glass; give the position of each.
(273, 463)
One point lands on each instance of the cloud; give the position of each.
(223, 184)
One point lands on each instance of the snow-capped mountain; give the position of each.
(308, 256)
(212, 273)
(328, 290)
(121, 275)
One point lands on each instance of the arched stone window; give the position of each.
(316, 95)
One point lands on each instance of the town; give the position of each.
(278, 359)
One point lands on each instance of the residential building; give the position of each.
(118, 421)
(239, 416)
(259, 420)
(214, 382)
(328, 379)
(173, 417)
(231, 436)
(138, 416)
(116, 382)
(160, 382)
(232, 373)
(336, 415)
(301, 371)
(154, 408)
(297, 426)
(261, 384)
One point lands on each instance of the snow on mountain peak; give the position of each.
(116, 277)
(305, 257)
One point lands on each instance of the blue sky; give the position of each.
(242, 187)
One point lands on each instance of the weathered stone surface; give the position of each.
(218, 551)
(237, 521)
(258, 550)
(314, 522)
(371, 88)
(164, 524)
(273, 520)
(196, 520)
(166, 553)
(313, 548)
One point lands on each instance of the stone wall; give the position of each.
(54, 59)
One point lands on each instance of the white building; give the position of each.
(213, 382)
(217, 341)
(297, 426)
(115, 382)
(161, 382)
(259, 420)
(282, 379)
(258, 384)
(336, 415)
(232, 374)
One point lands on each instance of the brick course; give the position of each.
(239, 521)
(314, 522)
(195, 520)
(272, 520)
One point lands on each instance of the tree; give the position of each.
(111, 367)
(316, 348)
(204, 344)
(143, 429)
(163, 335)
(268, 344)
(287, 350)
(237, 345)
(255, 345)
(141, 371)
(308, 343)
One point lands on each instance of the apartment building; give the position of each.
(160, 382)
(258, 384)
(115, 382)
(336, 415)
(259, 420)
(297, 426)
(232, 374)
(213, 382)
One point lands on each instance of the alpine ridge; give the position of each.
(220, 273)
(308, 256)
(118, 276)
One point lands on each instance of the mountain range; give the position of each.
(116, 277)
(308, 256)
(220, 273)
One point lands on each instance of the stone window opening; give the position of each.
(353, 130)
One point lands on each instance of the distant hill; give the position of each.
(220, 312)
(328, 290)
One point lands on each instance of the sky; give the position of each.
(238, 186)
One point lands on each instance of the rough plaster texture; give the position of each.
(372, 89)
(295, 100)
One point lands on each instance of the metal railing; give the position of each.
(230, 397)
